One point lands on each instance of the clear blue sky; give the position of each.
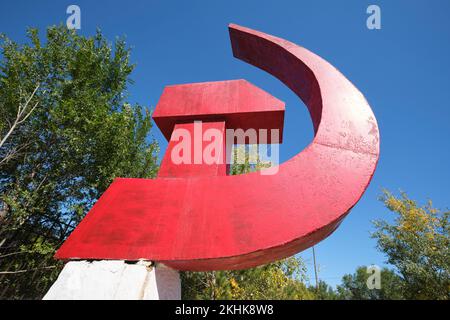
(402, 69)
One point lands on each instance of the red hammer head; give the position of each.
(238, 103)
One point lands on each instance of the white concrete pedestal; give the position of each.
(115, 280)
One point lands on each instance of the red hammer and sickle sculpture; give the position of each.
(193, 219)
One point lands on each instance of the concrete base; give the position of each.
(115, 280)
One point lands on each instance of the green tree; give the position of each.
(279, 280)
(323, 291)
(417, 243)
(66, 131)
(354, 286)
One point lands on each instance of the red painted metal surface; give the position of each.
(169, 169)
(237, 102)
(233, 104)
(232, 222)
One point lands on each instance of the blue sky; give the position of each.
(402, 69)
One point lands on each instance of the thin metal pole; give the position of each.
(315, 268)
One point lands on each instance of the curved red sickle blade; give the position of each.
(231, 222)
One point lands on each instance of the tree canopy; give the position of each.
(417, 244)
(354, 286)
(66, 132)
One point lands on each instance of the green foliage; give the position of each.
(417, 243)
(81, 135)
(354, 286)
(279, 280)
(323, 291)
(246, 159)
